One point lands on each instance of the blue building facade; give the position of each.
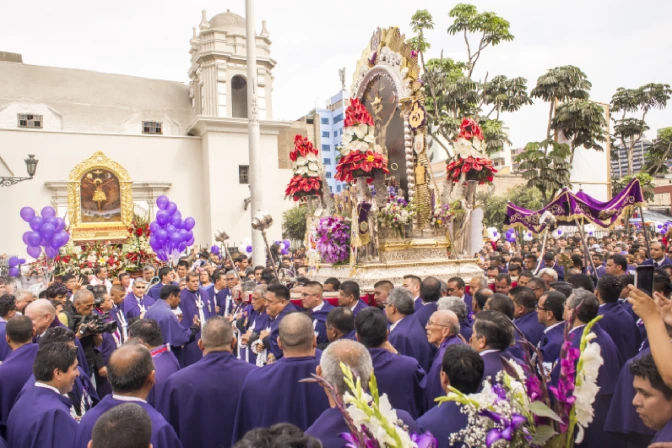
(331, 136)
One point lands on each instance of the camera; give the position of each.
(94, 324)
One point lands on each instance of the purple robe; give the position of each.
(273, 394)
(529, 325)
(442, 421)
(155, 291)
(190, 353)
(5, 350)
(165, 364)
(14, 372)
(466, 328)
(424, 313)
(560, 271)
(200, 401)
(623, 421)
(361, 305)
(331, 423)
(417, 304)
(41, 418)
(320, 322)
(173, 332)
(401, 378)
(258, 322)
(665, 434)
(163, 435)
(434, 388)
(222, 299)
(493, 363)
(117, 314)
(620, 326)
(410, 339)
(351, 335)
(469, 302)
(131, 306)
(275, 331)
(551, 343)
(83, 395)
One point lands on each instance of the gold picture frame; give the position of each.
(100, 200)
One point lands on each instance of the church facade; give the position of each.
(188, 141)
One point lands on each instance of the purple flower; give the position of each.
(414, 54)
(426, 440)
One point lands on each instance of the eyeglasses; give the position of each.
(540, 308)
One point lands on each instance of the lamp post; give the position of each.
(31, 166)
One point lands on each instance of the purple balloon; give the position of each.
(13, 272)
(189, 235)
(215, 250)
(48, 212)
(184, 235)
(50, 252)
(162, 202)
(191, 241)
(34, 239)
(153, 227)
(43, 242)
(47, 231)
(175, 238)
(27, 213)
(248, 249)
(22, 261)
(13, 262)
(170, 229)
(161, 255)
(189, 223)
(51, 221)
(154, 243)
(66, 237)
(36, 223)
(162, 217)
(182, 246)
(60, 224)
(25, 237)
(171, 208)
(161, 236)
(34, 251)
(176, 220)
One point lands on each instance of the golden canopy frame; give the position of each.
(88, 231)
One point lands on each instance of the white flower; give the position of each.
(301, 170)
(463, 148)
(592, 360)
(348, 134)
(311, 158)
(313, 166)
(386, 409)
(477, 143)
(370, 138)
(361, 131)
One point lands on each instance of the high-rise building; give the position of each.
(619, 161)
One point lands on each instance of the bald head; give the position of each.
(130, 369)
(42, 313)
(217, 334)
(448, 319)
(296, 334)
(351, 353)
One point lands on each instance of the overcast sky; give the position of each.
(615, 42)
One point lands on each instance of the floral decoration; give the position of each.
(332, 239)
(306, 180)
(442, 216)
(360, 156)
(469, 163)
(396, 214)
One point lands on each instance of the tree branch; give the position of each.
(466, 40)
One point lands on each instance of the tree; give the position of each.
(629, 130)
(659, 153)
(494, 207)
(451, 93)
(294, 223)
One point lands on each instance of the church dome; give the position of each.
(227, 20)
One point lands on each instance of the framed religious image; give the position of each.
(100, 202)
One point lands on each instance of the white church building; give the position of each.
(188, 141)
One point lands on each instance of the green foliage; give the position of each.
(505, 94)
(660, 152)
(583, 123)
(645, 180)
(494, 207)
(562, 84)
(545, 166)
(494, 134)
(294, 223)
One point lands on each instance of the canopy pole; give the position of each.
(585, 248)
(646, 231)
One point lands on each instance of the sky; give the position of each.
(617, 43)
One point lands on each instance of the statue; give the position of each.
(341, 74)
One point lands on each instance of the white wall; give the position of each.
(590, 173)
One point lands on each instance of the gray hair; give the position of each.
(402, 299)
(139, 280)
(22, 294)
(42, 306)
(351, 353)
(454, 304)
(81, 295)
(148, 268)
(249, 286)
(232, 272)
(261, 289)
(580, 296)
(444, 287)
(550, 272)
(482, 281)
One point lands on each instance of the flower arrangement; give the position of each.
(444, 213)
(332, 239)
(306, 180)
(75, 259)
(360, 156)
(468, 160)
(137, 250)
(516, 411)
(396, 214)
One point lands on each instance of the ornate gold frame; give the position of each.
(81, 231)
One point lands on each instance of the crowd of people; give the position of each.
(213, 353)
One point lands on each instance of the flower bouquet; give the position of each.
(306, 180)
(396, 215)
(137, 251)
(332, 239)
(516, 411)
(360, 156)
(468, 163)
(443, 214)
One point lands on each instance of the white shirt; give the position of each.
(46, 386)
(354, 306)
(126, 398)
(485, 352)
(553, 326)
(318, 307)
(576, 328)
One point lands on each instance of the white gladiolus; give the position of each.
(587, 389)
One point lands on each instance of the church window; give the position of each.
(152, 127)
(244, 174)
(326, 161)
(30, 121)
(324, 121)
(325, 148)
(239, 97)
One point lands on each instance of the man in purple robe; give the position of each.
(167, 277)
(653, 399)
(398, 376)
(349, 297)
(195, 304)
(131, 374)
(137, 303)
(550, 311)
(443, 330)
(340, 324)
(461, 368)
(18, 366)
(430, 291)
(331, 423)
(549, 262)
(41, 415)
(257, 321)
(274, 394)
(616, 321)
(220, 294)
(125, 425)
(525, 316)
(407, 336)
(189, 397)
(278, 306)
(493, 335)
(457, 288)
(7, 311)
(148, 333)
(117, 295)
(609, 370)
(312, 301)
(412, 283)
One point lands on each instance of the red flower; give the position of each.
(476, 168)
(362, 161)
(138, 232)
(302, 146)
(300, 186)
(357, 114)
(469, 129)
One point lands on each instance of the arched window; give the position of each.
(239, 97)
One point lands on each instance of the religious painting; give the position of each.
(100, 200)
(100, 197)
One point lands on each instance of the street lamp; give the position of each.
(31, 166)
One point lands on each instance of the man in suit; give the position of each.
(658, 258)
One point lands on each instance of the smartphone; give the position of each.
(644, 278)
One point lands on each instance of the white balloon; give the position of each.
(527, 236)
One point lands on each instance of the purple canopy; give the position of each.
(568, 206)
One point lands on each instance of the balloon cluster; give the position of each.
(510, 235)
(493, 233)
(245, 247)
(527, 236)
(47, 232)
(170, 234)
(284, 246)
(557, 233)
(214, 249)
(662, 228)
(14, 263)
